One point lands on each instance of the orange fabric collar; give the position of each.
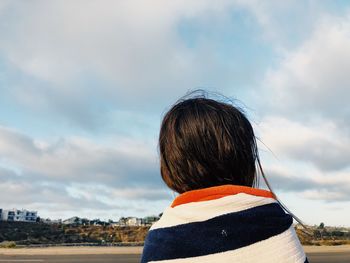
(216, 192)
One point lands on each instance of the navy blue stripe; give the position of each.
(218, 234)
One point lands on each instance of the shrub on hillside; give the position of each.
(8, 244)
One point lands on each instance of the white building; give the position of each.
(133, 221)
(18, 215)
(51, 221)
(149, 220)
(73, 220)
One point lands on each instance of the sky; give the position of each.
(84, 86)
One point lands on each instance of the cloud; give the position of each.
(279, 25)
(330, 187)
(124, 161)
(305, 113)
(109, 194)
(77, 174)
(312, 159)
(84, 60)
(106, 70)
(320, 143)
(312, 80)
(34, 194)
(114, 43)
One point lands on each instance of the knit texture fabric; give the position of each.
(224, 224)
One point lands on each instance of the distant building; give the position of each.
(133, 221)
(79, 221)
(16, 215)
(51, 221)
(72, 221)
(149, 220)
(122, 222)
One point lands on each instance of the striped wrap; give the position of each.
(224, 224)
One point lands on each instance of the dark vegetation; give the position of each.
(324, 236)
(20, 233)
(41, 233)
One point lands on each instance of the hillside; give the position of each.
(41, 233)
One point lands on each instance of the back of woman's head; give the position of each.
(204, 142)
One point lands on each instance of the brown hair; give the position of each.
(205, 142)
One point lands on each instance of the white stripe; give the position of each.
(204, 210)
(282, 248)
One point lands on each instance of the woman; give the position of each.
(208, 154)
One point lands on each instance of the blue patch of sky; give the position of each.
(301, 207)
(336, 7)
(60, 114)
(297, 23)
(12, 113)
(88, 112)
(237, 43)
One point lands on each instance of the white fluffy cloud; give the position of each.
(78, 175)
(308, 122)
(132, 45)
(92, 55)
(74, 158)
(88, 58)
(320, 143)
(281, 28)
(102, 62)
(310, 159)
(313, 80)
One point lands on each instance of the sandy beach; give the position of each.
(327, 249)
(129, 250)
(71, 250)
(316, 254)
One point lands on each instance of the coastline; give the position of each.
(76, 250)
(327, 249)
(84, 250)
